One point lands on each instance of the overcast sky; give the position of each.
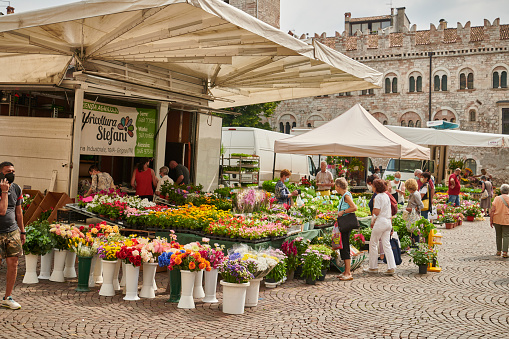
(317, 16)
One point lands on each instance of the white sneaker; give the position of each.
(10, 303)
(370, 270)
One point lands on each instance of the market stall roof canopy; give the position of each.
(239, 59)
(353, 133)
(433, 137)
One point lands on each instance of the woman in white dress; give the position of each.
(382, 227)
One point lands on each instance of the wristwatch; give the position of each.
(22, 232)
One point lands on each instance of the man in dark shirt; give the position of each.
(179, 173)
(12, 231)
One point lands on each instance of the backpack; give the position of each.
(394, 205)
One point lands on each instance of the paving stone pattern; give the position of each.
(468, 299)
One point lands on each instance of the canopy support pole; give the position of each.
(76, 142)
(274, 166)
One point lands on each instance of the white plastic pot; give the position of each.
(70, 265)
(31, 269)
(198, 292)
(131, 282)
(186, 298)
(234, 297)
(149, 272)
(107, 288)
(58, 267)
(46, 262)
(210, 278)
(253, 292)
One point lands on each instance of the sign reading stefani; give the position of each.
(117, 130)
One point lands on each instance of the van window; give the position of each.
(312, 167)
(403, 165)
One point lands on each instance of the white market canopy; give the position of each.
(433, 137)
(203, 48)
(353, 133)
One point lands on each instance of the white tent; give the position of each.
(353, 133)
(206, 49)
(433, 137)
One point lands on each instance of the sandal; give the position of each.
(498, 254)
(505, 255)
(343, 278)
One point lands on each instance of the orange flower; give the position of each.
(178, 261)
(196, 256)
(188, 251)
(192, 265)
(208, 269)
(202, 266)
(201, 260)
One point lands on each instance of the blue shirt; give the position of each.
(343, 205)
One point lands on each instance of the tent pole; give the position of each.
(274, 166)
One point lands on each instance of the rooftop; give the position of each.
(371, 18)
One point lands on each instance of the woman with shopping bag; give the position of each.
(413, 208)
(346, 221)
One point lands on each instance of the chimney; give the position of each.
(10, 10)
(443, 24)
(348, 15)
(400, 19)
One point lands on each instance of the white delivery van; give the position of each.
(407, 167)
(250, 140)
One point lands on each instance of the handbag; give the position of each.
(396, 251)
(484, 194)
(347, 222)
(337, 244)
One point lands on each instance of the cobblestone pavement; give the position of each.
(468, 299)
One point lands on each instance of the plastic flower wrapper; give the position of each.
(82, 247)
(234, 270)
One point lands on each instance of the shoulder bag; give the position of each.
(485, 194)
(347, 222)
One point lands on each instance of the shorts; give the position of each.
(10, 244)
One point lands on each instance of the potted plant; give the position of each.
(277, 274)
(421, 256)
(473, 211)
(357, 240)
(448, 220)
(325, 251)
(290, 250)
(312, 265)
(423, 227)
(38, 242)
(236, 276)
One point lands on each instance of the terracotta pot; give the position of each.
(449, 225)
(470, 218)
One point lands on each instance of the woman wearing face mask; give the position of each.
(163, 178)
(282, 192)
(398, 188)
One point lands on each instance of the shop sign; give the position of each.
(117, 130)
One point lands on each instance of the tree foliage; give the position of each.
(250, 116)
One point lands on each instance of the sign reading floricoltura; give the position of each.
(117, 130)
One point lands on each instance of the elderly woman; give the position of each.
(163, 178)
(486, 202)
(382, 227)
(398, 188)
(414, 204)
(426, 193)
(346, 206)
(499, 218)
(282, 192)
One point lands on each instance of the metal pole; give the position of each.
(274, 166)
(430, 82)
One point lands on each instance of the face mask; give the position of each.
(10, 177)
(396, 179)
(287, 180)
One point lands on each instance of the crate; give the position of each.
(53, 200)
(38, 197)
(68, 216)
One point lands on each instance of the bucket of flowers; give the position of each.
(236, 274)
(84, 249)
(278, 274)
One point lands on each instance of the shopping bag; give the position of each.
(433, 214)
(298, 202)
(396, 251)
(337, 244)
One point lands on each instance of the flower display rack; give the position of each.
(241, 169)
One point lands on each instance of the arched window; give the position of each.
(470, 81)
(503, 79)
(287, 128)
(294, 124)
(419, 84)
(436, 83)
(385, 122)
(387, 85)
(411, 82)
(463, 81)
(453, 120)
(444, 119)
(496, 80)
(281, 127)
(394, 85)
(472, 164)
(472, 115)
(444, 82)
(418, 123)
(403, 123)
(309, 124)
(410, 123)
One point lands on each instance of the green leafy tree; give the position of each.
(250, 116)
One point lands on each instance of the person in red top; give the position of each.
(144, 180)
(454, 188)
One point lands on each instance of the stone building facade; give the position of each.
(469, 70)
